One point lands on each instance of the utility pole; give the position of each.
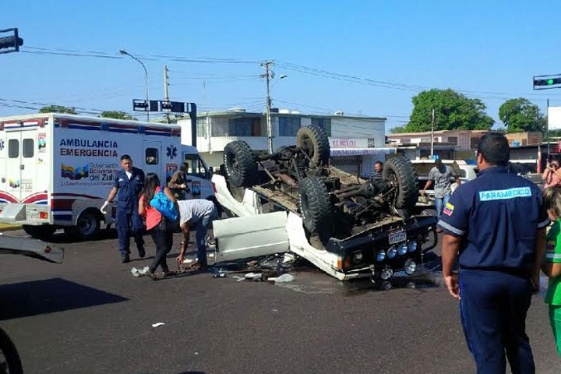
(268, 76)
(166, 90)
(432, 135)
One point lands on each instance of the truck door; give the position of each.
(20, 165)
(152, 159)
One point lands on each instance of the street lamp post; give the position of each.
(123, 52)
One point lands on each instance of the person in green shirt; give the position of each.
(552, 262)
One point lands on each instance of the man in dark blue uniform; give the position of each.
(495, 227)
(127, 185)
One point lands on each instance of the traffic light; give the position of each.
(10, 43)
(545, 81)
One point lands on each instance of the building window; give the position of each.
(324, 123)
(453, 140)
(201, 126)
(244, 126)
(289, 126)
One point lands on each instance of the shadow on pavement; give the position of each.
(48, 296)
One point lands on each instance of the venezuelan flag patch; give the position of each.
(448, 209)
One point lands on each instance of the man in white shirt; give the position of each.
(202, 212)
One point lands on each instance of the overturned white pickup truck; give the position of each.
(294, 201)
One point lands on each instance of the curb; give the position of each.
(9, 227)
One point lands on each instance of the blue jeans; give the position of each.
(202, 229)
(440, 203)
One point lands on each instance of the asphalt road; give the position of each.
(90, 315)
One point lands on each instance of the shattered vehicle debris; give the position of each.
(347, 226)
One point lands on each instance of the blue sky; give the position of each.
(360, 57)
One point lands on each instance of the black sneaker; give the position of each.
(141, 253)
(125, 259)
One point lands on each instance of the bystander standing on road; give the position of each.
(202, 212)
(495, 227)
(178, 182)
(127, 185)
(378, 171)
(442, 176)
(161, 228)
(552, 261)
(552, 175)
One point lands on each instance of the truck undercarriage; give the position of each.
(366, 226)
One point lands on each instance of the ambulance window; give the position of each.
(195, 166)
(13, 148)
(152, 156)
(28, 148)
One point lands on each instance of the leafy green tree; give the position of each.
(398, 130)
(117, 115)
(57, 109)
(520, 115)
(453, 111)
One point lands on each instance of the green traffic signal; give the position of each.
(547, 82)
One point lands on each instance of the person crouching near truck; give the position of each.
(202, 212)
(160, 228)
(127, 185)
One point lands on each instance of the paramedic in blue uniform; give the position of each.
(494, 226)
(127, 185)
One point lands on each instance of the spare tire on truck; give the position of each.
(240, 164)
(313, 141)
(315, 204)
(398, 170)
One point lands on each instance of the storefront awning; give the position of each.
(335, 152)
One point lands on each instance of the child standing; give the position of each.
(552, 261)
(159, 227)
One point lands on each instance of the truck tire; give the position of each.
(42, 232)
(87, 226)
(240, 164)
(315, 204)
(399, 170)
(10, 361)
(313, 141)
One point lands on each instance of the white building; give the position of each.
(356, 142)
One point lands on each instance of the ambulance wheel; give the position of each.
(87, 226)
(39, 232)
(240, 164)
(315, 204)
(313, 141)
(10, 361)
(399, 172)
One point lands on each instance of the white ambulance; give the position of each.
(56, 170)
